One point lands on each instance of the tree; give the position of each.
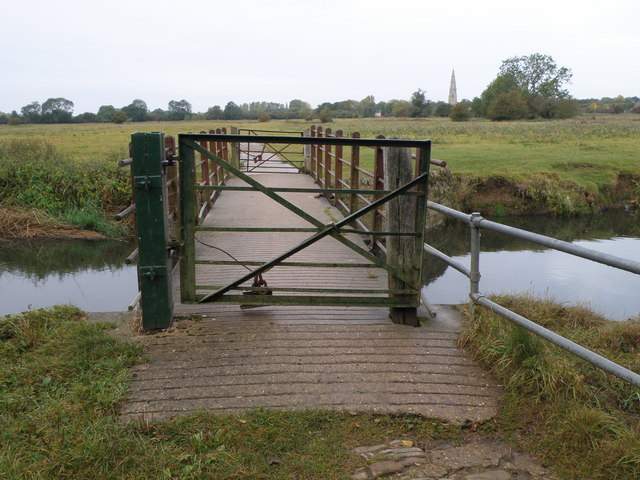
(105, 113)
(15, 119)
(232, 111)
(367, 107)
(325, 115)
(32, 113)
(86, 117)
(300, 109)
(538, 75)
(461, 112)
(214, 113)
(419, 104)
(502, 84)
(179, 110)
(137, 111)
(119, 117)
(3, 118)
(442, 109)
(401, 108)
(508, 106)
(57, 110)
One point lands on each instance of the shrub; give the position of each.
(461, 112)
(264, 116)
(508, 106)
(326, 115)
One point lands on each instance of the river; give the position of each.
(93, 276)
(509, 265)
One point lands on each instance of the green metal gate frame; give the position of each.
(409, 274)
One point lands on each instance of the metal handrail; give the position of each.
(476, 222)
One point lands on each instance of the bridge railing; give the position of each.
(476, 223)
(338, 168)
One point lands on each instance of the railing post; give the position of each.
(423, 164)
(401, 250)
(154, 267)
(327, 163)
(378, 184)
(354, 179)
(319, 156)
(188, 217)
(474, 277)
(235, 152)
(337, 179)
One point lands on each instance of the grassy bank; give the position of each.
(62, 381)
(573, 415)
(43, 190)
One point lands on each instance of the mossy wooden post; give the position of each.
(154, 267)
(235, 154)
(401, 217)
(188, 215)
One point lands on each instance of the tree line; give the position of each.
(531, 86)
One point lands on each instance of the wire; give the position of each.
(223, 251)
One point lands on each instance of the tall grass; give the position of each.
(577, 417)
(35, 175)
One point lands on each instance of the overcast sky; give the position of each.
(210, 52)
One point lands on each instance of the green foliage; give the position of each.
(214, 113)
(502, 84)
(538, 75)
(33, 174)
(179, 110)
(137, 111)
(119, 117)
(57, 110)
(105, 113)
(508, 106)
(232, 112)
(461, 112)
(442, 109)
(419, 105)
(575, 416)
(264, 117)
(325, 115)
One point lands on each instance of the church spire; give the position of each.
(453, 93)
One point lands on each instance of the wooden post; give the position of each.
(312, 153)
(327, 163)
(235, 154)
(319, 151)
(378, 184)
(188, 218)
(401, 217)
(354, 179)
(337, 179)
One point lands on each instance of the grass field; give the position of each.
(561, 167)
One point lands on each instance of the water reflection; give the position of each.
(510, 265)
(89, 274)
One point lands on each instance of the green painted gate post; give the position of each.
(154, 267)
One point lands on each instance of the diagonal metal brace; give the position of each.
(324, 230)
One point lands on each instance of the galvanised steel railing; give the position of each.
(476, 222)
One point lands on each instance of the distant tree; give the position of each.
(179, 110)
(617, 109)
(158, 115)
(461, 112)
(566, 108)
(401, 108)
(4, 119)
(232, 112)
(119, 117)
(57, 110)
(367, 107)
(508, 106)
(325, 115)
(105, 113)
(538, 75)
(419, 104)
(264, 117)
(86, 117)
(137, 111)
(214, 113)
(32, 113)
(15, 119)
(636, 108)
(501, 84)
(442, 109)
(300, 109)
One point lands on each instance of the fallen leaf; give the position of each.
(407, 443)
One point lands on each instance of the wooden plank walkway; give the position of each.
(231, 360)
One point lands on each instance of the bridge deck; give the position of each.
(231, 360)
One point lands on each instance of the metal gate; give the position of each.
(406, 277)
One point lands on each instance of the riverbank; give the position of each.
(578, 421)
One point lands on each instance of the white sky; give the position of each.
(110, 52)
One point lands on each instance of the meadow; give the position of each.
(561, 167)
